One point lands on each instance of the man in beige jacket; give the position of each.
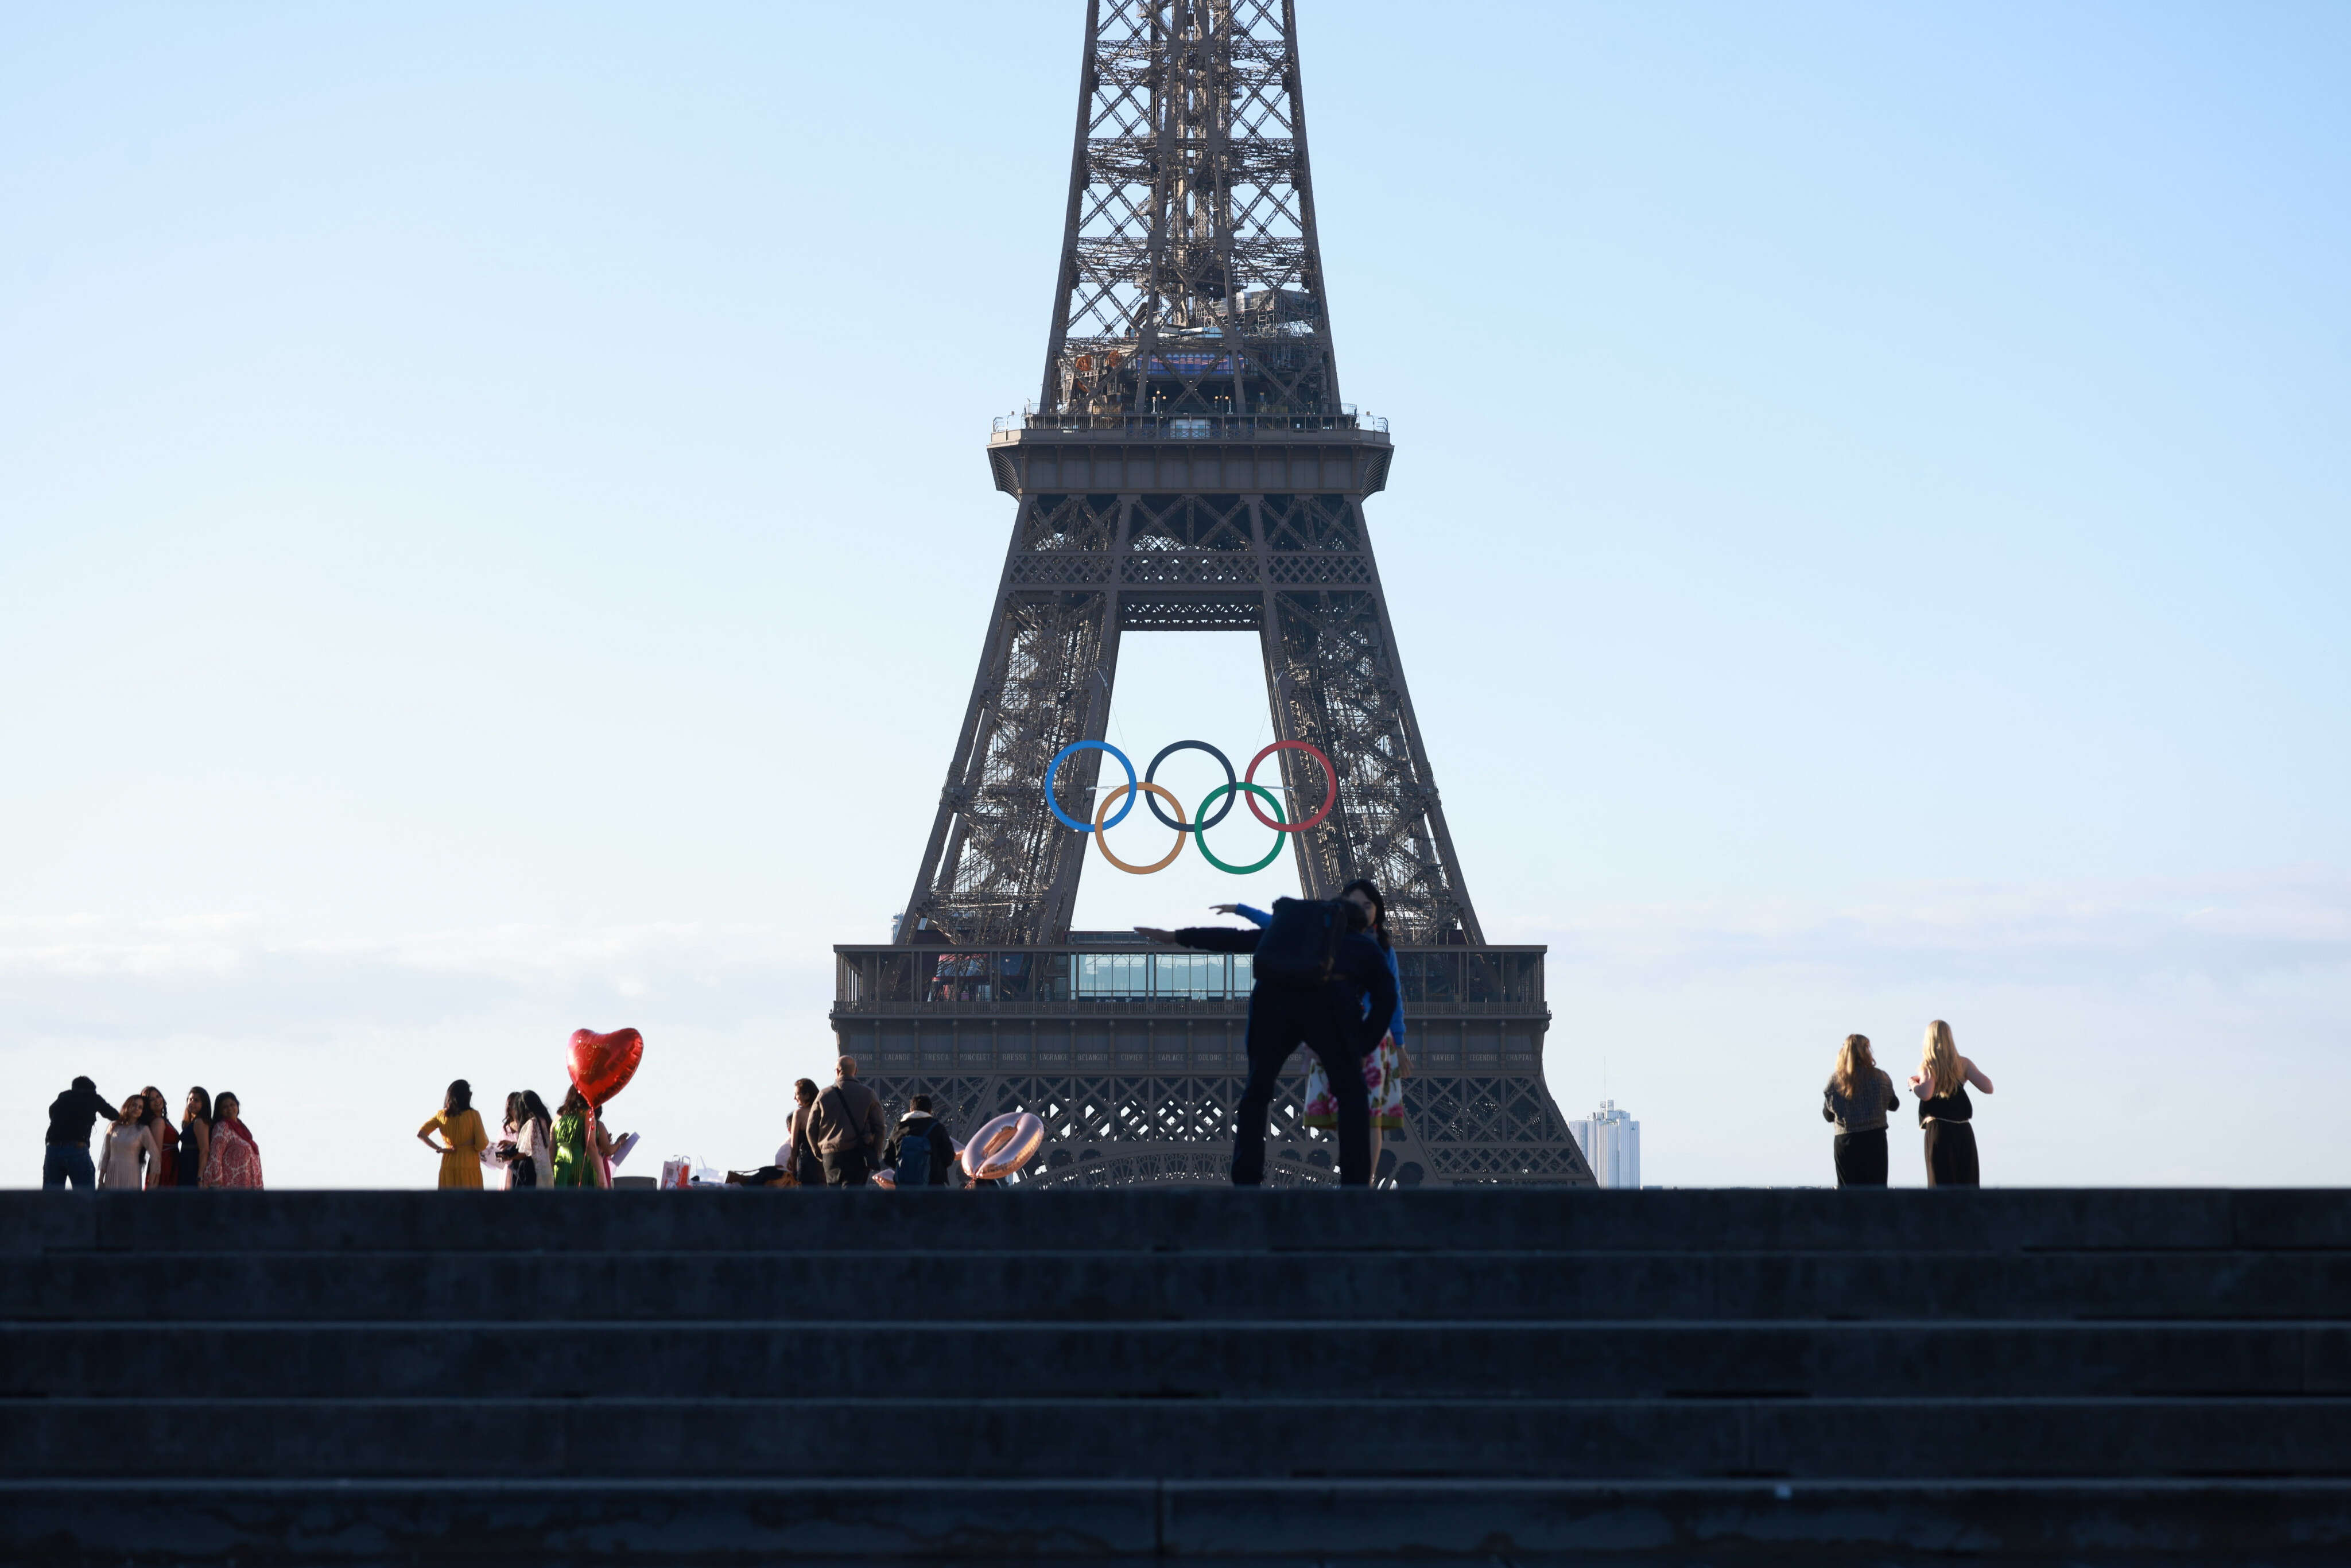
(845, 1124)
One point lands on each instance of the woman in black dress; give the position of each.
(1944, 1110)
(1858, 1098)
(196, 1137)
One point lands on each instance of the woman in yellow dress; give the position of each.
(462, 1139)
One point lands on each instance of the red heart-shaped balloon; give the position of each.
(603, 1064)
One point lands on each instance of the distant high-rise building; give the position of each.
(1611, 1142)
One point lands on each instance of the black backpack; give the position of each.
(1300, 947)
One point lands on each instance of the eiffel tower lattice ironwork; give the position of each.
(1188, 464)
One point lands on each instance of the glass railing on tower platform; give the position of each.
(931, 980)
(1191, 426)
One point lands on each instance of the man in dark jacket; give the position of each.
(918, 1129)
(846, 1127)
(66, 1154)
(1329, 1019)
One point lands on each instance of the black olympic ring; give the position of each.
(1232, 785)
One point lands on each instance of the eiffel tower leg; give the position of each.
(1335, 680)
(999, 867)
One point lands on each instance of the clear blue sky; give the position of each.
(494, 538)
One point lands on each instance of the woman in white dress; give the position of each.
(130, 1144)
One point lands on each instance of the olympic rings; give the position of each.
(1330, 785)
(1101, 838)
(1199, 832)
(1167, 752)
(1246, 787)
(1053, 769)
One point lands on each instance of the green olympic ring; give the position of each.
(1201, 836)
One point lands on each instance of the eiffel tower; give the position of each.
(1189, 465)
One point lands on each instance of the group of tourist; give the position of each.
(1347, 1011)
(1860, 1093)
(836, 1138)
(572, 1148)
(140, 1150)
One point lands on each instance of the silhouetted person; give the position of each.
(1330, 1018)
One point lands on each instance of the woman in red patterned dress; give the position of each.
(236, 1158)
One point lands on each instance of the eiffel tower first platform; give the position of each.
(1189, 465)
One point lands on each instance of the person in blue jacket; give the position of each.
(1387, 1066)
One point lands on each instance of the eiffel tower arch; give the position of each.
(1188, 465)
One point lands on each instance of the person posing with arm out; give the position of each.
(1944, 1111)
(1386, 1066)
(1339, 1018)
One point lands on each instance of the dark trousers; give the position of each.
(1951, 1154)
(1279, 1020)
(846, 1167)
(1861, 1158)
(64, 1162)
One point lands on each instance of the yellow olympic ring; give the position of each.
(1102, 839)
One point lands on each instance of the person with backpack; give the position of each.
(846, 1127)
(1386, 1067)
(920, 1151)
(1320, 983)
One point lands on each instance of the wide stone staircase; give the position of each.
(1292, 1376)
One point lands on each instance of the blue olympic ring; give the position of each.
(1053, 770)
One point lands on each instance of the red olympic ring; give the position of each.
(1330, 786)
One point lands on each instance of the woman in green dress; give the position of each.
(579, 1159)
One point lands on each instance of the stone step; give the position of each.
(976, 1435)
(1914, 1221)
(1128, 1286)
(848, 1362)
(882, 1524)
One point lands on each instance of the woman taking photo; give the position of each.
(1944, 1110)
(130, 1144)
(460, 1126)
(527, 1154)
(1859, 1095)
(195, 1136)
(234, 1160)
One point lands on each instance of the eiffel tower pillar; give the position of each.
(1189, 466)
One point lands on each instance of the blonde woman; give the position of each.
(1857, 1100)
(1942, 1085)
